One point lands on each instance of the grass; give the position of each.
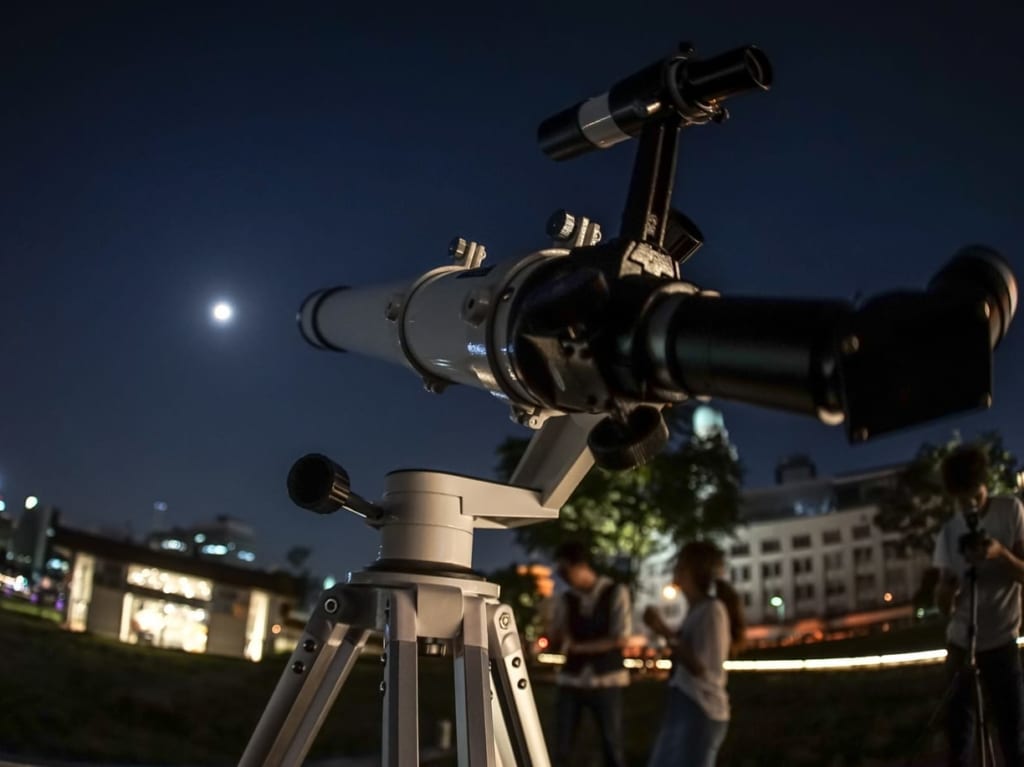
(82, 698)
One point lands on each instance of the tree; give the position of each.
(917, 506)
(690, 490)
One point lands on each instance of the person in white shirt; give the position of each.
(697, 712)
(996, 551)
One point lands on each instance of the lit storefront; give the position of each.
(160, 599)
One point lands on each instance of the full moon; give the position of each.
(222, 312)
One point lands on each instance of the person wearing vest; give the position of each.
(996, 550)
(591, 624)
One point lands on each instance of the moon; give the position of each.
(222, 312)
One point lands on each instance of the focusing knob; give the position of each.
(619, 445)
(318, 484)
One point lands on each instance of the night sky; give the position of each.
(157, 157)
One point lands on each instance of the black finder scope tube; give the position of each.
(689, 87)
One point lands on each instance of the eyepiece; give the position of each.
(725, 75)
(979, 272)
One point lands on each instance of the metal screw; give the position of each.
(383, 659)
(517, 662)
(507, 293)
(505, 620)
(383, 687)
(298, 667)
(457, 249)
(309, 645)
(331, 605)
(521, 684)
(986, 400)
(985, 310)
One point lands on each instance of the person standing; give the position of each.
(697, 712)
(591, 625)
(996, 551)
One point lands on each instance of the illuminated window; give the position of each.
(174, 584)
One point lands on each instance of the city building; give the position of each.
(225, 539)
(30, 537)
(143, 595)
(6, 536)
(807, 560)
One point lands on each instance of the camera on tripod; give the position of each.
(975, 539)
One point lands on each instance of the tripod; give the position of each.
(422, 594)
(983, 743)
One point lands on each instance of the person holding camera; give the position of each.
(985, 540)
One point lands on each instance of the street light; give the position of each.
(780, 607)
(31, 502)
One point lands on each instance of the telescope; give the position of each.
(586, 342)
(613, 328)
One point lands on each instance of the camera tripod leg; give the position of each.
(983, 744)
(332, 641)
(517, 715)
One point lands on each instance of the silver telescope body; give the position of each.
(451, 326)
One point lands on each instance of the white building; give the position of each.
(808, 559)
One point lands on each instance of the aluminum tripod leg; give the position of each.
(520, 722)
(400, 739)
(316, 671)
(474, 725)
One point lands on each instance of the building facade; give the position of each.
(140, 595)
(807, 560)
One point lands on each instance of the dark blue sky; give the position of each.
(155, 157)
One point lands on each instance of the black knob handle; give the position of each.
(318, 484)
(619, 445)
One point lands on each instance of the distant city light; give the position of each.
(200, 538)
(670, 592)
(159, 506)
(3, 506)
(173, 544)
(246, 556)
(222, 312)
(31, 502)
(887, 596)
(217, 549)
(775, 601)
(329, 582)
